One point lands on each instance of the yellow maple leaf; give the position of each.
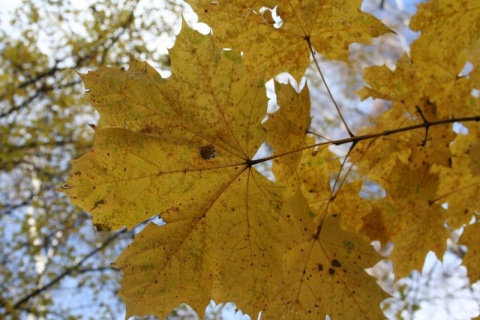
(231, 253)
(472, 257)
(292, 118)
(440, 43)
(399, 85)
(408, 216)
(420, 82)
(182, 148)
(440, 54)
(157, 138)
(460, 184)
(403, 168)
(429, 83)
(326, 276)
(329, 26)
(325, 273)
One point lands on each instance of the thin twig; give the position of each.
(350, 133)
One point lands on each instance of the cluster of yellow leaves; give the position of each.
(183, 148)
(424, 87)
(330, 26)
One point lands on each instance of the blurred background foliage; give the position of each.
(53, 265)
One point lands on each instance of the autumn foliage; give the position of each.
(183, 148)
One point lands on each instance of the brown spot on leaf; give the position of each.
(208, 152)
(151, 129)
(336, 263)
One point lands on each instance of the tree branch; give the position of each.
(356, 139)
(69, 270)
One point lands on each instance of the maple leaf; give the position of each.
(330, 26)
(399, 85)
(472, 257)
(326, 271)
(394, 162)
(182, 148)
(407, 215)
(294, 118)
(144, 133)
(231, 253)
(440, 43)
(331, 264)
(437, 58)
(326, 276)
(460, 184)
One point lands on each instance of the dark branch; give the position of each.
(70, 270)
(357, 139)
(427, 126)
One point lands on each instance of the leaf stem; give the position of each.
(350, 133)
